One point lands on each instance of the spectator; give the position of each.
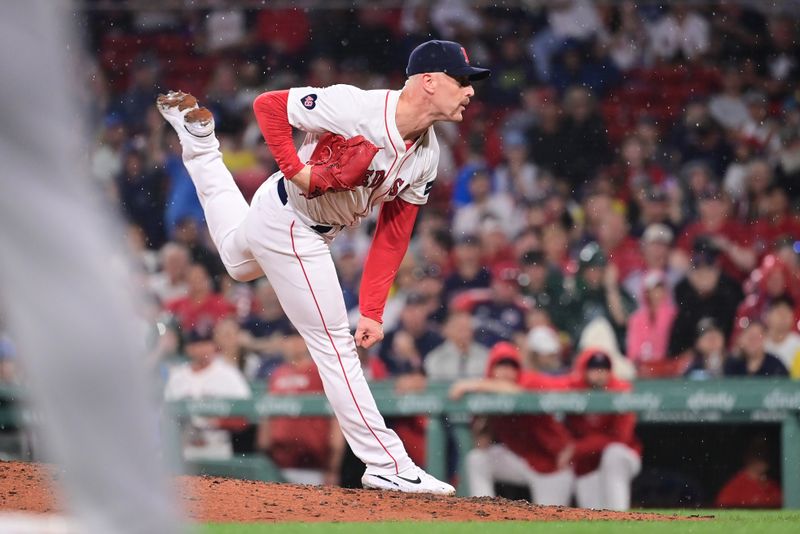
(599, 295)
(729, 108)
(182, 202)
(584, 145)
(469, 273)
(499, 312)
(515, 449)
(140, 195)
(650, 325)
(655, 246)
(404, 349)
(190, 234)
(348, 266)
(201, 308)
(728, 236)
(619, 247)
(751, 487)
(753, 359)
(566, 20)
(772, 280)
(545, 350)
(705, 292)
(511, 74)
(207, 375)
(782, 338)
(627, 39)
(308, 450)
(264, 328)
(484, 204)
(170, 282)
(680, 33)
(544, 137)
(775, 220)
(107, 157)
(460, 356)
(517, 176)
(227, 336)
(544, 286)
(709, 354)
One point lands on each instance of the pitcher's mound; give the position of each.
(27, 487)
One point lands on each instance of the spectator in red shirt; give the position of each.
(772, 280)
(774, 221)
(516, 449)
(751, 487)
(201, 307)
(308, 450)
(620, 248)
(605, 453)
(730, 237)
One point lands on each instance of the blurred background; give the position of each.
(626, 180)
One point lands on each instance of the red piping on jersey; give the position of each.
(271, 109)
(388, 248)
(330, 338)
(370, 201)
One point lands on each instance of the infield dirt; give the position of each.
(28, 487)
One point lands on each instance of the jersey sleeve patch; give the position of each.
(428, 187)
(309, 101)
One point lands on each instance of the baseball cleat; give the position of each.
(181, 111)
(413, 480)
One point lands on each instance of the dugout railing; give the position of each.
(730, 401)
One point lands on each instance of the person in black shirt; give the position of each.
(753, 358)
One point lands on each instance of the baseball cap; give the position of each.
(704, 251)
(592, 256)
(598, 360)
(710, 192)
(443, 56)
(199, 334)
(707, 324)
(657, 233)
(532, 257)
(543, 340)
(506, 272)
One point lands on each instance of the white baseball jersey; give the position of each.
(396, 171)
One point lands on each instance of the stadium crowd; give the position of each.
(623, 187)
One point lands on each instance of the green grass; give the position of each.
(724, 522)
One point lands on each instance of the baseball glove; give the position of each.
(339, 164)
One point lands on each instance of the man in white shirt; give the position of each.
(207, 376)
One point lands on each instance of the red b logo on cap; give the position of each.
(466, 57)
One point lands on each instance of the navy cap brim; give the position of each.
(474, 73)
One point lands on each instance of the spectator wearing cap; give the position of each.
(650, 325)
(201, 307)
(706, 291)
(460, 356)
(207, 375)
(499, 312)
(469, 272)
(657, 204)
(782, 338)
(656, 247)
(308, 450)
(728, 235)
(598, 294)
(545, 350)
(709, 353)
(604, 453)
(403, 350)
(518, 449)
(753, 358)
(484, 204)
(543, 285)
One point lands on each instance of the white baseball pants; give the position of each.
(270, 238)
(609, 487)
(497, 463)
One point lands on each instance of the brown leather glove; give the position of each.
(339, 164)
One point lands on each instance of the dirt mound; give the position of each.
(27, 487)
